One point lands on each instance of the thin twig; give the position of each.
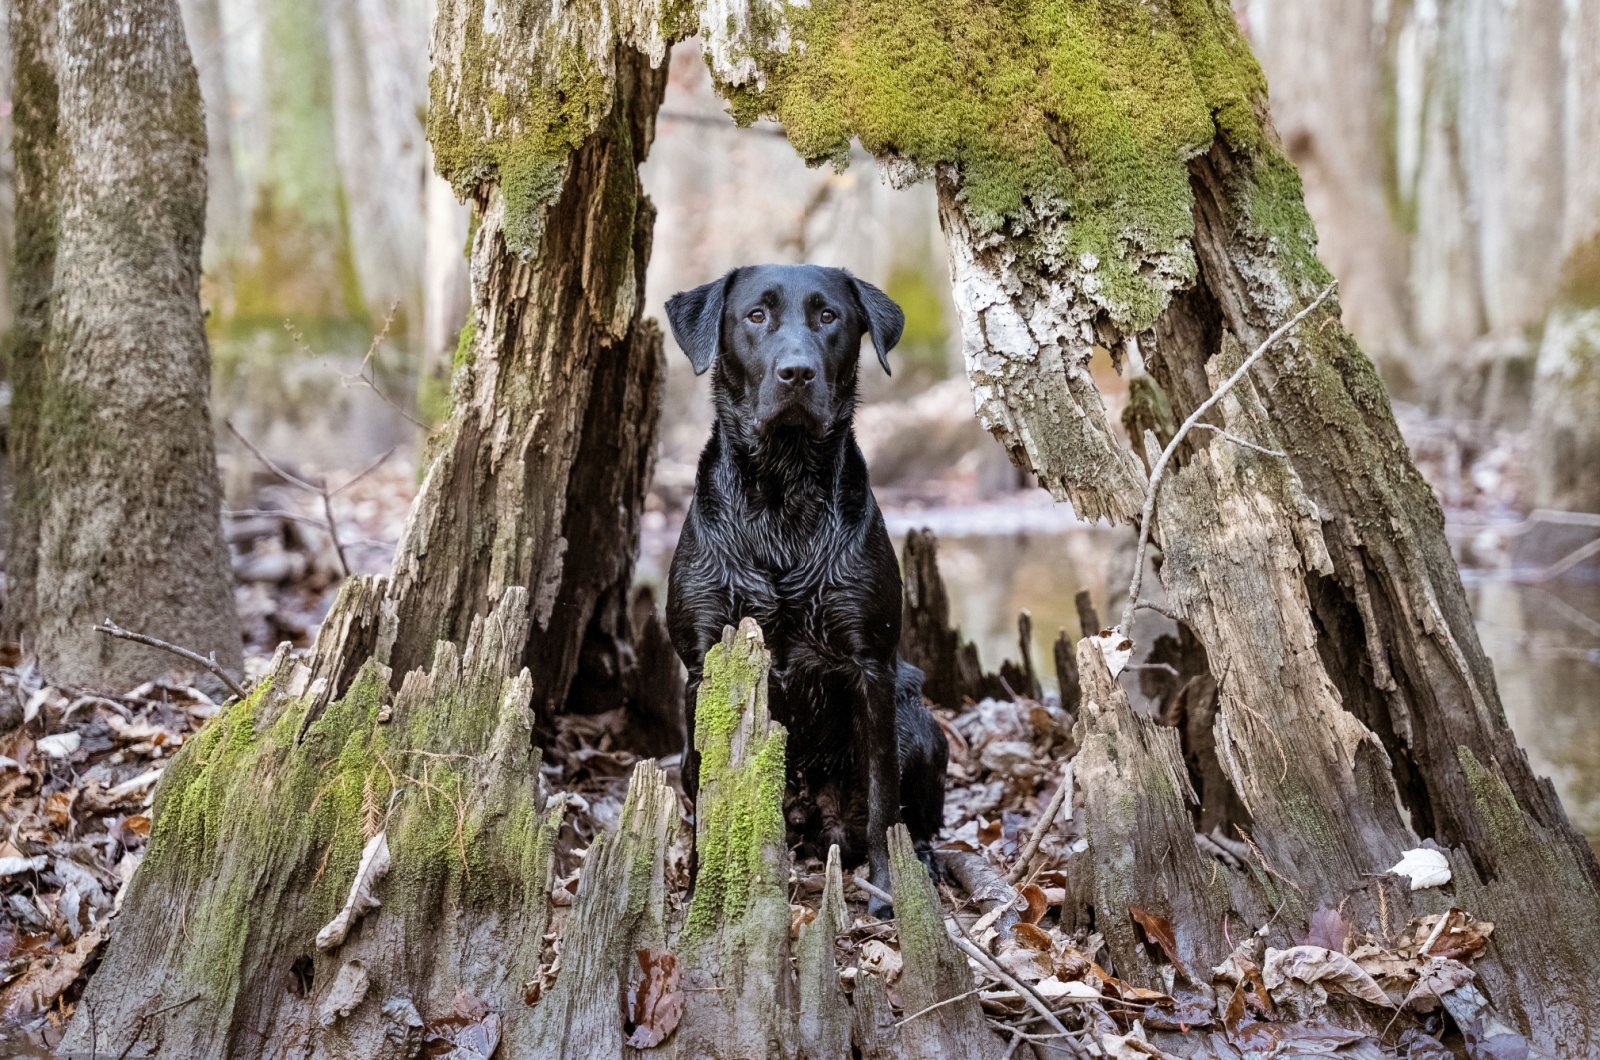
(319, 488)
(111, 629)
(1236, 440)
(939, 1004)
(1163, 611)
(992, 966)
(138, 1028)
(1063, 791)
(1147, 517)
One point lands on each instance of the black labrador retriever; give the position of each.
(783, 528)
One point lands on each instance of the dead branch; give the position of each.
(111, 629)
(319, 488)
(1147, 517)
(1063, 792)
(992, 966)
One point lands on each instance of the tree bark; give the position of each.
(122, 377)
(36, 111)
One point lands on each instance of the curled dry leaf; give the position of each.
(1304, 970)
(1034, 937)
(470, 1032)
(1424, 868)
(1157, 931)
(374, 866)
(880, 958)
(1037, 903)
(1462, 937)
(14, 865)
(655, 1000)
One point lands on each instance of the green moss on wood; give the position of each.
(741, 804)
(524, 97)
(1097, 104)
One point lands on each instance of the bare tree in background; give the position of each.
(117, 504)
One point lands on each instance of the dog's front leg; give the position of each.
(876, 736)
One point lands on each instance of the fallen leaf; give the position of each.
(1157, 931)
(1033, 936)
(1038, 903)
(1327, 929)
(349, 988)
(1050, 988)
(470, 1032)
(1424, 867)
(655, 1002)
(58, 807)
(1438, 977)
(880, 958)
(14, 866)
(61, 745)
(374, 865)
(1315, 966)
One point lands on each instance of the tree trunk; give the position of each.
(1566, 386)
(123, 375)
(35, 109)
(299, 261)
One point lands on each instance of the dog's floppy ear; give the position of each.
(696, 319)
(885, 321)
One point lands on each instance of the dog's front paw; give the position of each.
(877, 907)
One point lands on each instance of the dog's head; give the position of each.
(786, 341)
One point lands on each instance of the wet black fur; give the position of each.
(783, 528)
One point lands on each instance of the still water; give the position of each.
(1543, 635)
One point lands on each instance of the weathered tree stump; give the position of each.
(928, 640)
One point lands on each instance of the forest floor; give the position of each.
(77, 775)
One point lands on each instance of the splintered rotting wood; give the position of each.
(739, 982)
(260, 826)
(621, 908)
(823, 1024)
(935, 969)
(1141, 836)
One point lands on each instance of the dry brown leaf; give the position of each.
(1462, 937)
(1037, 903)
(1071, 964)
(1315, 966)
(655, 1001)
(470, 1032)
(1158, 932)
(49, 977)
(799, 917)
(138, 824)
(1034, 937)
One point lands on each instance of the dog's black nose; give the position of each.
(796, 374)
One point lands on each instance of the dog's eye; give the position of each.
(757, 316)
(828, 316)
